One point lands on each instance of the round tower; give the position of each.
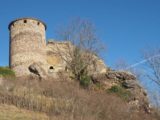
(27, 44)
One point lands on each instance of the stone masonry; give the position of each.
(28, 46)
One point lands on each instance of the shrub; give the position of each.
(98, 86)
(6, 72)
(120, 91)
(85, 81)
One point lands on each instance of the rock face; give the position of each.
(138, 99)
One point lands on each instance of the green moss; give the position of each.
(6, 72)
(120, 91)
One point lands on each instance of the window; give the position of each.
(38, 23)
(25, 21)
(51, 67)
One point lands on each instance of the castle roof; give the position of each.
(27, 18)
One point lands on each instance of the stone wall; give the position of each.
(57, 50)
(27, 43)
(54, 50)
(28, 47)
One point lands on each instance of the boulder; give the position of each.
(98, 78)
(120, 75)
(130, 84)
(36, 69)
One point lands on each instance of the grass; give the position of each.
(63, 100)
(9, 112)
(120, 91)
(6, 72)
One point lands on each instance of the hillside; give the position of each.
(28, 98)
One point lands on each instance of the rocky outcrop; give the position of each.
(120, 75)
(138, 98)
(37, 70)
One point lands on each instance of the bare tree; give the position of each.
(83, 46)
(152, 57)
(122, 65)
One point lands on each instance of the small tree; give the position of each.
(153, 61)
(82, 48)
(122, 65)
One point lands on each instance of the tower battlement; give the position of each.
(24, 20)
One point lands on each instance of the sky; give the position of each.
(125, 27)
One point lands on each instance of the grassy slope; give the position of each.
(9, 112)
(6, 72)
(33, 100)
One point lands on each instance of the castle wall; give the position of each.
(54, 50)
(27, 43)
(58, 50)
(28, 46)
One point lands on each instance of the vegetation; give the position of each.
(9, 112)
(54, 100)
(120, 91)
(82, 49)
(85, 81)
(152, 58)
(6, 72)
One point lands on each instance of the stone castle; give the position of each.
(30, 51)
(28, 47)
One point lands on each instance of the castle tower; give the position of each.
(27, 44)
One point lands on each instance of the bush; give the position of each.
(6, 72)
(85, 81)
(120, 91)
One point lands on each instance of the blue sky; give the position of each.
(125, 26)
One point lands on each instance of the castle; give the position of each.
(32, 54)
(28, 45)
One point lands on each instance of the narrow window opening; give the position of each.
(51, 68)
(38, 23)
(25, 21)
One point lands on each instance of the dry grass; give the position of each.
(9, 112)
(65, 100)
